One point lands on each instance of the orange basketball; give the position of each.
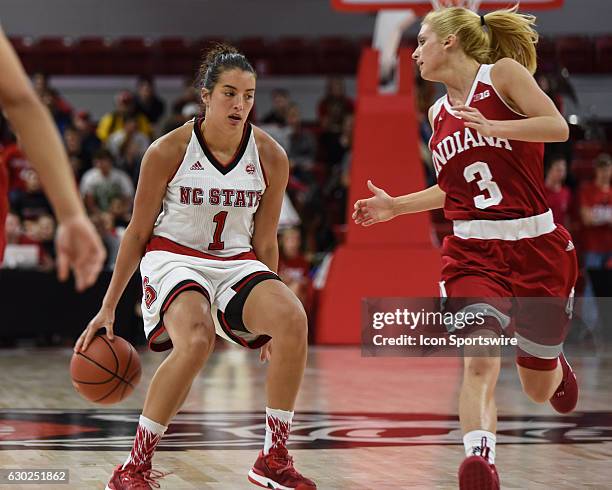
(107, 372)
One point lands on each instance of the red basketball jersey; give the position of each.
(485, 178)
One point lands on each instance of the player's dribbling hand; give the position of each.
(104, 319)
(79, 248)
(475, 120)
(265, 353)
(375, 209)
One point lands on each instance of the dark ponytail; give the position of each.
(221, 57)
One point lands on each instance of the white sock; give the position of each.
(153, 426)
(480, 443)
(278, 425)
(148, 435)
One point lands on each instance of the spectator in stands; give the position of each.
(13, 229)
(596, 213)
(121, 211)
(128, 135)
(336, 187)
(558, 194)
(129, 160)
(105, 224)
(280, 108)
(334, 106)
(302, 146)
(147, 100)
(56, 103)
(31, 202)
(79, 158)
(189, 96)
(61, 115)
(293, 268)
(16, 238)
(114, 121)
(334, 142)
(180, 115)
(45, 233)
(81, 121)
(39, 232)
(102, 184)
(14, 160)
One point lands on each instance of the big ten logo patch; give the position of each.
(149, 293)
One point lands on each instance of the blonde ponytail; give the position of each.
(505, 34)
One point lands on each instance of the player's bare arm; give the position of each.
(78, 245)
(276, 165)
(158, 165)
(382, 207)
(520, 90)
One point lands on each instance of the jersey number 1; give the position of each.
(485, 183)
(219, 220)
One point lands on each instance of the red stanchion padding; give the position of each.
(395, 258)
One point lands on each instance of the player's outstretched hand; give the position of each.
(375, 209)
(79, 248)
(104, 319)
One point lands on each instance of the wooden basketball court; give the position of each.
(361, 423)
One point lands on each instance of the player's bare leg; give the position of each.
(543, 383)
(477, 408)
(478, 416)
(272, 309)
(540, 385)
(190, 327)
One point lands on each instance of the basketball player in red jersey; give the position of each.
(487, 146)
(209, 265)
(77, 244)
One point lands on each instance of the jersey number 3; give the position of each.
(219, 220)
(485, 183)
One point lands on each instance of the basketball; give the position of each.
(107, 372)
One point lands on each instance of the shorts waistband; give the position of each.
(507, 229)
(166, 245)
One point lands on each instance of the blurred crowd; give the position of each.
(106, 155)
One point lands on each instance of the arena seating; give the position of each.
(282, 56)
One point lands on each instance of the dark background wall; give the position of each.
(236, 18)
(35, 306)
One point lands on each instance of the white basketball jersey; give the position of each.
(209, 206)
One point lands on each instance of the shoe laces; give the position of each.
(147, 477)
(283, 462)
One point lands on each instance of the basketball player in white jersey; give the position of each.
(208, 265)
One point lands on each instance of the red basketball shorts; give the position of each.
(523, 277)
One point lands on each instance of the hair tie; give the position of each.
(482, 21)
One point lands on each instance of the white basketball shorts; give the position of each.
(225, 283)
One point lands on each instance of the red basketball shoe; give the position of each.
(565, 398)
(476, 473)
(275, 470)
(134, 478)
